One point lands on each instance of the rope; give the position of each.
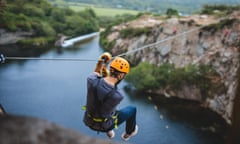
(158, 42)
(2, 58)
(166, 39)
(56, 59)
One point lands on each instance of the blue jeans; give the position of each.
(127, 114)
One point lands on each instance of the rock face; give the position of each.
(12, 37)
(26, 130)
(182, 42)
(2, 112)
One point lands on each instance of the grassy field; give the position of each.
(100, 11)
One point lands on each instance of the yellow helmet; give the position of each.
(120, 64)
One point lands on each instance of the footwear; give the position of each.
(111, 134)
(126, 136)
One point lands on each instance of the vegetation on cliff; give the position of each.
(147, 76)
(217, 10)
(203, 75)
(220, 9)
(44, 20)
(155, 6)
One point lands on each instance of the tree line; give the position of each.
(157, 6)
(45, 20)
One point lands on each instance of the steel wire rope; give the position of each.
(2, 58)
(56, 59)
(123, 54)
(166, 39)
(160, 41)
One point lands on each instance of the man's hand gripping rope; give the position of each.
(101, 67)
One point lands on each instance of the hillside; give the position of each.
(37, 22)
(157, 6)
(186, 42)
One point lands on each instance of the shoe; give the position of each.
(126, 136)
(111, 134)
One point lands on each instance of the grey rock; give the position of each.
(28, 130)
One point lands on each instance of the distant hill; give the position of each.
(158, 6)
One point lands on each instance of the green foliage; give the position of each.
(143, 77)
(108, 22)
(210, 9)
(58, 15)
(44, 29)
(3, 7)
(46, 21)
(155, 6)
(106, 45)
(33, 11)
(171, 12)
(133, 32)
(8, 21)
(147, 76)
(218, 26)
(39, 41)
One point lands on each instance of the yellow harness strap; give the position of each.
(97, 119)
(103, 119)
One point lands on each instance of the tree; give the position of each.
(171, 12)
(142, 77)
(3, 7)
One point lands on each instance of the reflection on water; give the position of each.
(56, 90)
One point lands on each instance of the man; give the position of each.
(103, 98)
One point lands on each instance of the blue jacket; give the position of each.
(102, 100)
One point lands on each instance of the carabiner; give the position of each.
(2, 58)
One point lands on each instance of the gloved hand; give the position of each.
(105, 57)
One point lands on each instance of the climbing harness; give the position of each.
(98, 103)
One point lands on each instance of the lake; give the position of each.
(56, 91)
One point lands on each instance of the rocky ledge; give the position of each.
(27, 130)
(185, 41)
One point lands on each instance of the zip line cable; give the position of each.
(57, 59)
(166, 39)
(158, 42)
(3, 58)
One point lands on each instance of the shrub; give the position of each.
(220, 25)
(58, 15)
(31, 10)
(143, 77)
(134, 32)
(43, 29)
(39, 41)
(147, 76)
(209, 9)
(171, 12)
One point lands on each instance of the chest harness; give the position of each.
(98, 103)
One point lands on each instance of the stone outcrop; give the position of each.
(185, 41)
(27, 130)
(12, 37)
(2, 112)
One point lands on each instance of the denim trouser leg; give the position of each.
(128, 114)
